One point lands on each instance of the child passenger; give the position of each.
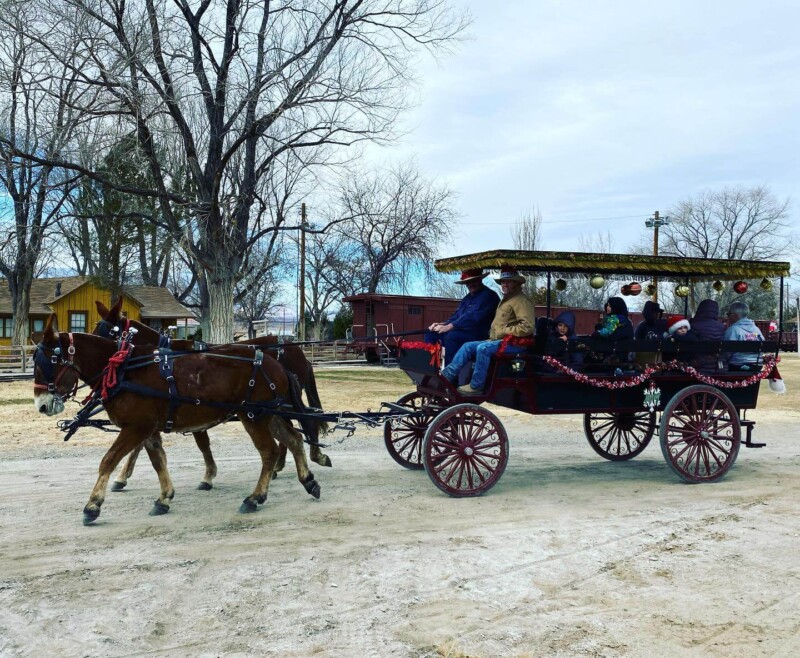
(615, 325)
(679, 329)
(559, 336)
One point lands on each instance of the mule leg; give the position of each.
(318, 456)
(264, 442)
(293, 440)
(128, 439)
(122, 478)
(204, 444)
(280, 463)
(155, 450)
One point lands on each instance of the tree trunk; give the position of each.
(220, 306)
(21, 305)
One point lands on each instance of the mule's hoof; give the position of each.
(118, 486)
(274, 474)
(205, 486)
(248, 506)
(159, 508)
(324, 460)
(261, 499)
(90, 514)
(312, 487)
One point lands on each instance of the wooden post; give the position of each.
(655, 253)
(301, 327)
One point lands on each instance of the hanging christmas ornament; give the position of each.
(561, 284)
(650, 289)
(597, 282)
(765, 284)
(682, 291)
(718, 286)
(740, 287)
(625, 290)
(634, 288)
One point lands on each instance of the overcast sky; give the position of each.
(600, 113)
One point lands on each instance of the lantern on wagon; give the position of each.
(682, 291)
(718, 286)
(765, 284)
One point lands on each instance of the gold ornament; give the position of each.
(718, 286)
(561, 284)
(682, 291)
(650, 289)
(597, 282)
(765, 284)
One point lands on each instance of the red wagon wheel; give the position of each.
(619, 436)
(700, 434)
(403, 436)
(465, 450)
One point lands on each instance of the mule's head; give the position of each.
(55, 376)
(109, 324)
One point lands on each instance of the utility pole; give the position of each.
(654, 222)
(301, 326)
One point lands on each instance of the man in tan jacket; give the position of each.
(514, 316)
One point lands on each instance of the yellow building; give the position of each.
(72, 299)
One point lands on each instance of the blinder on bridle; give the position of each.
(105, 329)
(47, 366)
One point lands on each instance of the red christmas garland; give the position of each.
(435, 349)
(766, 371)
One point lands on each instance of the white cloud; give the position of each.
(593, 110)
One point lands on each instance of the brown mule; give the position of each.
(225, 378)
(291, 357)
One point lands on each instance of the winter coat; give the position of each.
(514, 316)
(744, 329)
(563, 349)
(616, 325)
(706, 323)
(475, 313)
(652, 327)
(707, 326)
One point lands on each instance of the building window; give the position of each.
(155, 324)
(6, 327)
(77, 321)
(415, 310)
(37, 326)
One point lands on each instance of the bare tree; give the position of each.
(30, 121)
(397, 216)
(731, 223)
(527, 230)
(579, 294)
(237, 83)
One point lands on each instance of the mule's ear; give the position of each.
(117, 308)
(101, 309)
(51, 328)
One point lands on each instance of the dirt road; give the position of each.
(568, 555)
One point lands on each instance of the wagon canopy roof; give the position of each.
(670, 267)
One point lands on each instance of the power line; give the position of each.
(546, 222)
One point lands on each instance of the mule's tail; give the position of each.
(313, 396)
(310, 427)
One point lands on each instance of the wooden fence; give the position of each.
(16, 358)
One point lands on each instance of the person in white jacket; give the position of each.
(741, 327)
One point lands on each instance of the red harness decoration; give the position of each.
(435, 349)
(110, 378)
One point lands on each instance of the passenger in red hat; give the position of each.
(679, 328)
(472, 318)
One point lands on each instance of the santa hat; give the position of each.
(776, 384)
(675, 322)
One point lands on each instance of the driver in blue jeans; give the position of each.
(514, 316)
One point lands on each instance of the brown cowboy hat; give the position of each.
(471, 275)
(509, 274)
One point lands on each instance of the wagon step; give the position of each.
(748, 441)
